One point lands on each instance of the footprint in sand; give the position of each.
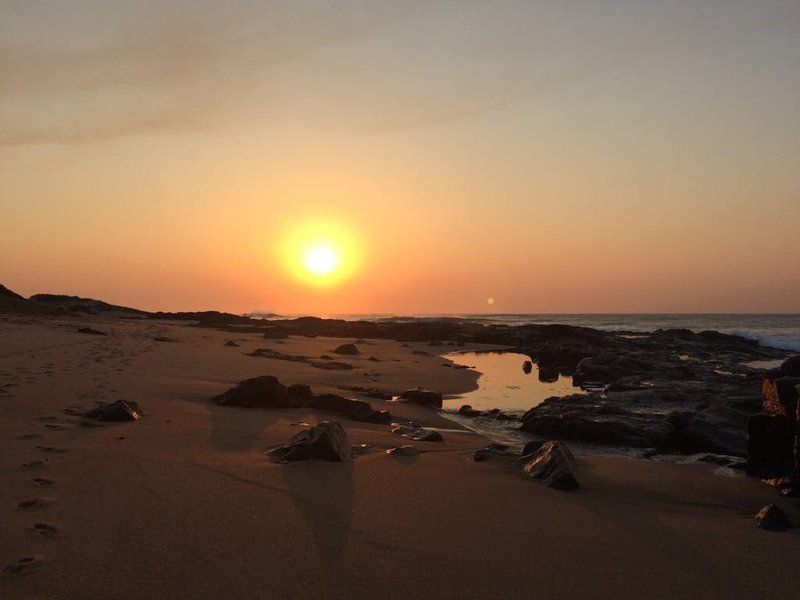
(52, 449)
(42, 482)
(23, 565)
(35, 503)
(45, 529)
(56, 427)
(35, 464)
(29, 436)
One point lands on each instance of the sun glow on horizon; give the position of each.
(320, 254)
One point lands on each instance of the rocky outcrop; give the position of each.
(773, 437)
(552, 465)
(422, 397)
(791, 367)
(326, 441)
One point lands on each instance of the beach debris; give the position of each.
(121, 410)
(232, 344)
(91, 331)
(772, 518)
(348, 350)
(414, 431)
(422, 397)
(326, 441)
(527, 367)
(552, 465)
(404, 450)
(493, 450)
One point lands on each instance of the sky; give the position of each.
(545, 156)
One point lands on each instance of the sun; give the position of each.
(321, 259)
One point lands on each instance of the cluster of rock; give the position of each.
(773, 435)
(550, 463)
(268, 392)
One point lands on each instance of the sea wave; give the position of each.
(784, 341)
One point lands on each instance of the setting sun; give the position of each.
(321, 259)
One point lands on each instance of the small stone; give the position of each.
(772, 518)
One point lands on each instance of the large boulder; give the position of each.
(121, 410)
(348, 350)
(719, 430)
(422, 397)
(325, 441)
(552, 465)
(769, 445)
(259, 392)
(791, 366)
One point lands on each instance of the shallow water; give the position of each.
(503, 384)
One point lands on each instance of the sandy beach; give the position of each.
(184, 503)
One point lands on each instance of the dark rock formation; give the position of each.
(347, 350)
(405, 450)
(466, 410)
(300, 394)
(120, 410)
(422, 397)
(326, 441)
(772, 518)
(492, 450)
(770, 440)
(90, 331)
(232, 344)
(718, 429)
(780, 396)
(259, 392)
(332, 365)
(357, 410)
(532, 446)
(527, 367)
(552, 465)
(791, 366)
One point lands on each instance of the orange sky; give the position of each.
(597, 157)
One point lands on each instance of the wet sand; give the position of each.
(185, 504)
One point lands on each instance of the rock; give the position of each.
(466, 410)
(357, 410)
(591, 418)
(90, 331)
(422, 397)
(259, 392)
(163, 338)
(547, 375)
(772, 518)
(527, 367)
(769, 445)
(492, 450)
(532, 447)
(421, 353)
(406, 450)
(348, 350)
(325, 441)
(374, 359)
(300, 394)
(780, 396)
(331, 365)
(120, 410)
(232, 344)
(414, 432)
(552, 465)
(791, 366)
(719, 430)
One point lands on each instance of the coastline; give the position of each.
(185, 503)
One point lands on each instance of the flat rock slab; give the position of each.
(552, 465)
(326, 441)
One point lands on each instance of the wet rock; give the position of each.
(417, 433)
(326, 441)
(772, 518)
(121, 410)
(719, 430)
(527, 367)
(422, 397)
(405, 450)
(791, 366)
(532, 447)
(769, 445)
(347, 350)
(466, 410)
(548, 375)
(369, 392)
(90, 331)
(259, 392)
(780, 396)
(552, 465)
(492, 450)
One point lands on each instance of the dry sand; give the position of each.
(185, 504)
